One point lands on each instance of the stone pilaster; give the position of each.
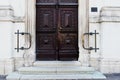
(6, 34)
(29, 55)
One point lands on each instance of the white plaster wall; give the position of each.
(100, 4)
(19, 13)
(21, 28)
(12, 18)
(6, 39)
(110, 39)
(107, 59)
(95, 56)
(4, 2)
(6, 47)
(18, 7)
(97, 59)
(18, 56)
(95, 3)
(110, 47)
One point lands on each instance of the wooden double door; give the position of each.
(57, 30)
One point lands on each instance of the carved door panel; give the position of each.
(56, 30)
(68, 33)
(46, 33)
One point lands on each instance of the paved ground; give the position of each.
(2, 77)
(109, 77)
(113, 76)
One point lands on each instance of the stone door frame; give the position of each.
(83, 26)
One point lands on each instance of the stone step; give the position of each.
(56, 63)
(95, 76)
(56, 70)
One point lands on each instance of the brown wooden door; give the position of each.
(56, 30)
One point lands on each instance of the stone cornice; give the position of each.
(94, 19)
(110, 14)
(107, 14)
(7, 14)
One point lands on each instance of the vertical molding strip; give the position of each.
(29, 55)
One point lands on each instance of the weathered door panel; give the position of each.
(46, 19)
(46, 33)
(56, 30)
(68, 33)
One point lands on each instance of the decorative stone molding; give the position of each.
(107, 14)
(7, 66)
(6, 13)
(29, 55)
(19, 19)
(94, 19)
(110, 14)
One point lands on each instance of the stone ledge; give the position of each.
(107, 14)
(7, 14)
(94, 19)
(110, 14)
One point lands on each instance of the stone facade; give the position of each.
(20, 14)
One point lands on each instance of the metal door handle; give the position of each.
(24, 33)
(83, 42)
(22, 48)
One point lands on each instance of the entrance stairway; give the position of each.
(56, 70)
